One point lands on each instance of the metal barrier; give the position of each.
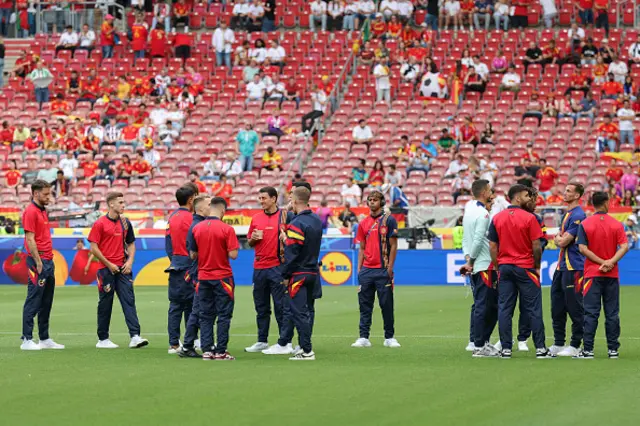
(77, 14)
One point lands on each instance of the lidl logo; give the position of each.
(336, 268)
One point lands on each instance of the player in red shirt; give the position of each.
(222, 189)
(113, 244)
(263, 234)
(40, 268)
(180, 291)
(514, 242)
(602, 239)
(547, 177)
(213, 243)
(378, 239)
(139, 34)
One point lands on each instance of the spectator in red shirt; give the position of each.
(520, 18)
(158, 42)
(222, 189)
(376, 177)
(585, 11)
(70, 142)
(139, 35)
(394, 29)
(531, 154)
(13, 176)
(89, 166)
(579, 81)
(193, 178)
(611, 89)
(181, 14)
(467, 9)
(33, 144)
(141, 169)
(182, 44)
(378, 27)
(6, 134)
(468, 132)
(550, 54)
(292, 92)
(547, 177)
(556, 199)
(607, 135)
(124, 170)
(602, 14)
(614, 173)
(107, 37)
(24, 64)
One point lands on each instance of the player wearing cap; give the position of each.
(180, 291)
(514, 242)
(566, 288)
(378, 239)
(213, 243)
(41, 270)
(113, 244)
(601, 239)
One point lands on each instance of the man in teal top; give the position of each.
(247, 140)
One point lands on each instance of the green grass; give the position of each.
(430, 380)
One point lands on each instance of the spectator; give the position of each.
(585, 11)
(162, 15)
(531, 154)
(487, 134)
(362, 134)
(547, 177)
(250, 71)
(241, 54)
(366, 9)
(376, 177)
(446, 142)
(95, 130)
(247, 141)
(576, 37)
(150, 154)
(212, 168)
(68, 41)
(12, 176)
(271, 160)
(526, 172)
(469, 133)
(139, 35)
(34, 143)
(393, 177)
(520, 16)
(292, 90)
(41, 78)
(614, 173)
(193, 178)
(124, 170)
(588, 53)
(181, 13)
(602, 14)
(382, 74)
(619, 69)
(69, 165)
(409, 71)
(158, 49)
(240, 15)
(350, 12)
(6, 134)
(533, 55)
(634, 52)
(483, 9)
(511, 80)
(607, 135)
(629, 88)
(108, 37)
(182, 44)
(461, 185)
(275, 90)
(399, 203)
(21, 133)
(88, 166)
(276, 125)
(455, 166)
(60, 186)
(481, 68)
(231, 167)
(347, 218)
(418, 161)
(360, 176)
(146, 131)
(255, 15)
(31, 173)
(630, 229)
(628, 200)
(141, 169)
(433, 85)
(351, 194)
(222, 189)
(556, 199)
(222, 41)
(319, 101)
(318, 13)
(588, 107)
(276, 54)
(269, 17)
(325, 215)
(388, 8)
(628, 182)
(106, 168)
(256, 90)
(606, 51)
(549, 12)
(501, 15)
(551, 54)
(625, 118)
(473, 82)
(611, 89)
(452, 14)
(579, 82)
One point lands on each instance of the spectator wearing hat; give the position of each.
(151, 155)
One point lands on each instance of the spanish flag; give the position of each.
(627, 157)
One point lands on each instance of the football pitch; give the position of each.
(431, 380)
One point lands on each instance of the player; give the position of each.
(378, 239)
(475, 247)
(202, 209)
(113, 244)
(41, 270)
(213, 243)
(180, 291)
(602, 240)
(514, 242)
(566, 288)
(264, 233)
(300, 269)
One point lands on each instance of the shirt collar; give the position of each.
(112, 220)
(307, 211)
(514, 207)
(271, 214)
(213, 218)
(41, 208)
(184, 209)
(599, 213)
(480, 203)
(197, 216)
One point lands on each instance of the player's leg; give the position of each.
(481, 288)
(45, 310)
(277, 291)
(558, 309)
(592, 293)
(299, 288)
(384, 289)
(206, 315)
(32, 305)
(491, 314)
(507, 297)
(124, 290)
(191, 329)
(472, 331)
(223, 292)
(611, 303)
(262, 303)
(529, 289)
(524, 327)
(316, 292)
(106, 289)
(366, 297)
(573, 300)
(173, 315)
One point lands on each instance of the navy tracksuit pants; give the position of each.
(286, 332)
(122, 285)
(566, 298)
(180, 304)
(485, 306)
(267, 285)
(40, 290)
(216, 298)
(370, 282)
(514, 281)
(301, 294)
(602, 292)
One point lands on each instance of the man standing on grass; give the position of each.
(180, 291)
(514, 242)
(40, 268)
(566, 288)
(113, 244)
(484, 279)
(213, 243)
(378, 239)
(300, 268)
(602, 240)
(202, 208)
(264, 233)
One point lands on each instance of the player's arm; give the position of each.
(482, 226)
(130, 241)
(232, 244)
(95, 250)
(253, 238)
(583, 246)
(292, 249)
(33, 250)
(623, 248)
(168, 244)
(392, 231)
(492, 235)
(537, 253)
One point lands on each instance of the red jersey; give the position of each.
(551, 52)
(213, 239)
(370, 231)
(31, 144)
(555, 199)
(6, 136)
(107, 39)
(395, 29)
(202, 189)
(614, 173)
(378, 28)
(88, 143)
(158, 42)
(609, 129)
(578, 79)
(89, 168)
(531, 157)
(181, 9)
(59, 107)
(111, 238)
(269, 250)
(514, 230)
(547, 178)
(601, 4)
(139, 36)
(141, 167)
(585, 4)
(71, 144)
(467, 5)
(225, 192)
(612, 88)
(408, 35)
(12, 177)
(177, 230)
(125, 168)
(602, 234)
(182, 39)
(36, 220)
(521, 8)
(130, 133)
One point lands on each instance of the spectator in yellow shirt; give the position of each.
(271, 160)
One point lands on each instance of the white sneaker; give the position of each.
(174, 349)
(138, 342)
(257, 347)
(522, 346)
(296, 348)
(497, 345)
(391, 343)
(362, 343)
(196, 344)
(279, 350)
(30, 345)
(303, 356)
(470, 347)
(564, 351)
(50, 344)
(106, 344)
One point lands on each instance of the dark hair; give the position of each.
(578, 186)
(193, 187)
(376, 164)
(113, 195)
(405, 137)
(270, 191)
(515, 190)
(38, 185)
(378, 194)
(363, 161)
(478, 186)
(193, 172)
(59, 172)
(218, 201)
(599, 198)
(302, 184)
(183, 194)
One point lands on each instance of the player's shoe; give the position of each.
(544, 353)
(279, 350)
(567, 351)
(174, 349)
(470, 347)
(29, 345)
(391, 343)
(50, 344)
(497, 345)
(584, 355)
(208, 356)
(555, 349)
(223, 357)
(505, 353)
(522, 346)
(487, 351)
(362, 343)
(106, 344)
(303, 356)
(613, 354)
(296, 348)
(196, 344)
(188, 353)
(138, 342)
(257, 347)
